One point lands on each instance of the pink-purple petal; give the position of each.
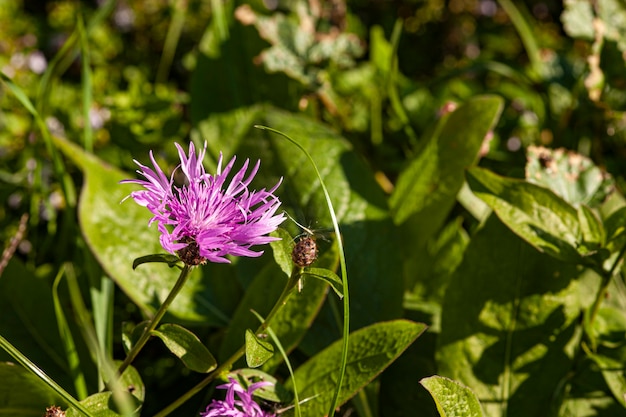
(220, 219)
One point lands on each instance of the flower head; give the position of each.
(243, 406)
(205, 218)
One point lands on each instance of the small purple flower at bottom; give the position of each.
(204, 218)
(242, 406)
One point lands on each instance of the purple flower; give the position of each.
(243, 406)
(204, 219)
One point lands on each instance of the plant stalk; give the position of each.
(184, 275)
(226, 365)
(604, 286)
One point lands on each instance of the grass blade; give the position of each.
(25, 362)
(344, 272)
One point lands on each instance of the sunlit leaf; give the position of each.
(428, 187)
(572, 176)
(452, 398)
(577, 18)
(371, 350)
(258, 351)
(187, 347)
(508, 314)
(328, 277)
(534, 213)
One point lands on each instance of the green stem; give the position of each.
(525, 33)
(25, 362)
(226, 365)
(184, 274)
(344, 273)
(171, 40)
(604, 286)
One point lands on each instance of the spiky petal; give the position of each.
(208, 218)
(241, 406)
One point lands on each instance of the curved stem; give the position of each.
(526, 34)
(184, 274)
(226, 365)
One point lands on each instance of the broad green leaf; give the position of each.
(430, 269)
(24, 394)
(28, 321)
(117, 233)
(258, 351)
(428, 187)
(187, 347)
(572, 176)
(452, 398)
(534, 213)
(371, 350)
(508, 317)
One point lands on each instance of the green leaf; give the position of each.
(577, 18)
(534, 213)
(328, 277)
(429, 269)
(282, 250)
(28, 321)
(590, 227)
(103, 404)
(508, 322)
(613, 373)
(615, 226)
(169, 259)
(371, 350)
(572, 176)
(427, 188)
(23, 393)
(117, 233)
(187, 347)
(452, 398)
(257, 351)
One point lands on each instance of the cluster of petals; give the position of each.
(238, 402)
(205, 213)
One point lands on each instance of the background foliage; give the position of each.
(473, 150)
